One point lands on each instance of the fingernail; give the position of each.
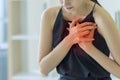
(68, 29)
(69, 23)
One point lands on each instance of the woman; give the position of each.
(70, 41)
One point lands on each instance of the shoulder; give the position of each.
(49, 15)
(103, 19)
(51, 10)
(101, 15)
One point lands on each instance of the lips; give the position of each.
(69, 7)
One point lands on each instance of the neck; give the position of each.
(80, 12)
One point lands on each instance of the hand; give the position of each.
(77, 32)
(85, 45)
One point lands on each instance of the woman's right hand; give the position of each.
(77, 32)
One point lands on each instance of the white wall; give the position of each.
(111, 6)
(1, 21)
(34, 10)
(52, 3)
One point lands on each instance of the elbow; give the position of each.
(117, 76)
(43, 70)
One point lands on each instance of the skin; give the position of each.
(81, 32)
(49, 59)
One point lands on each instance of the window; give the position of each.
(3, 23)
(3, 39)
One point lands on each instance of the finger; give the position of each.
(68, 29)
(91, 35)
(86, 24)
(73, 23)
(77, 24)
(84, 33)
(79, 40)
(86, 28)
(92, 32)
(69, 23)
(86, 39)
(80, 19)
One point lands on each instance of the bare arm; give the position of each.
(48, 58)
(109, 31)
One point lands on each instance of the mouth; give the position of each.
(68, 7)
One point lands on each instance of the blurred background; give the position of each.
(19, 36)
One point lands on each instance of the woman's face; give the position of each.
(71, 5)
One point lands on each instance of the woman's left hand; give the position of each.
(85, 45)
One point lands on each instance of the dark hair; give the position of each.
(95, 1)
